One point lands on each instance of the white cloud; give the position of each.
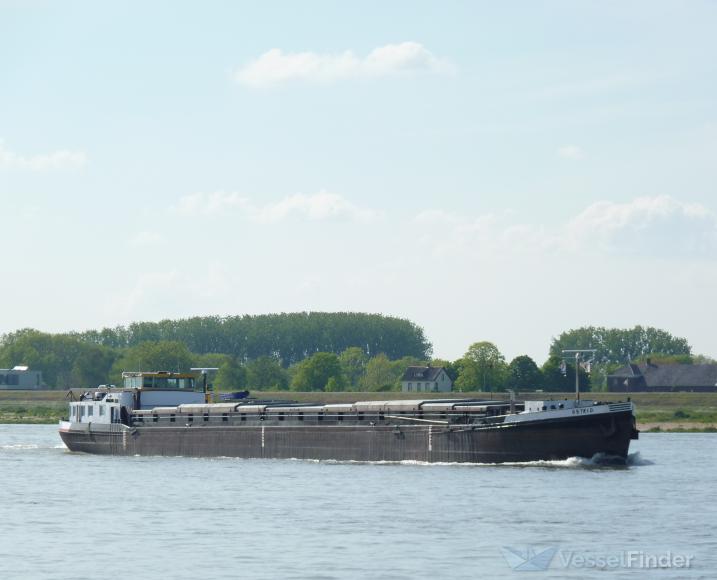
(62, 159)
(484, 237)
(210, 204)
(314, 207)
(658, 227)
(571, 152)
(318, 206)
(275, 67)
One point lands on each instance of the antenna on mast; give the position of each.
(576, 355)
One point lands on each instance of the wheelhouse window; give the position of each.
(152, 381)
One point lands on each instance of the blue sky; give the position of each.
(493, 171)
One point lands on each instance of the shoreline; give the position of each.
(656, 412)
(676, 427)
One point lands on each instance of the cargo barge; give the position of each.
(162, 413)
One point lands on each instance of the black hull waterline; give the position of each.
(606, 434)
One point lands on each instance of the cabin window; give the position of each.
(360, 416)
(339, 416)
(281, 416)
(82, 411)
(225, 417)
(545, 408)
(206, 417)
(242, 416)
(155, 418)
(552, 406)
(380, 415)
(172, 418)
(300, 416)
(190, 418)
(319, 416)
(102, 410)
(90, 411)
(561, 406)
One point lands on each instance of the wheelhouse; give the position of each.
(161, 380)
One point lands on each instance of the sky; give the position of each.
(499, 171)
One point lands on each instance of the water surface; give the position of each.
(66, 515)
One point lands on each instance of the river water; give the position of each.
(66, 515)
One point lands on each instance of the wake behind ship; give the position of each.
(161, 413)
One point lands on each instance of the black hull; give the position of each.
(607, 434)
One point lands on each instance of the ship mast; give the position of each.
(578, 354)
(205, 371)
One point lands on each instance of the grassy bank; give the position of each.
(656, 412)
(32, 406)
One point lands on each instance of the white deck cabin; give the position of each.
(141, 390)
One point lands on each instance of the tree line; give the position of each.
(288, 337)
(98, 356)
(80, 360)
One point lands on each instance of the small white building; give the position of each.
(426, 380)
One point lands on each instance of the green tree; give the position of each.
(64, 359)
(482, 368)
(166, 355)
(333, 385)
(289, 337)
(313, 373)
(231, 376)
(618, 345)
(353, 364)
(381, 374)
(265, 373)
(524, 374)
(210, 360)
(92, 365)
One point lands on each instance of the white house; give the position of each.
(426, 380)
